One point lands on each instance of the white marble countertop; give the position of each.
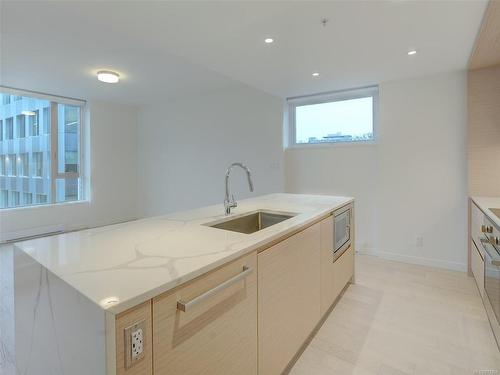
(485, 203)
(132, 262)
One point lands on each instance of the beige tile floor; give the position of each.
(404, 319)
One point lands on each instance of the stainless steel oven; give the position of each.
(341, 231)
(490, 241)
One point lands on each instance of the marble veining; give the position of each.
(131, 262)
(46, 326)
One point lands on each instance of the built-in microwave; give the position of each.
(341, 231)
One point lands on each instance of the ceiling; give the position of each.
(170, 49)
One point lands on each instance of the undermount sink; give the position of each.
(496, 211)
(252, 222)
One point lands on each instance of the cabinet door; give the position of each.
(218, 334)
(289, 298)
(327, 275)
(477, 266)
(476, 221)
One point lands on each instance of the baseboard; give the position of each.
(438, 263)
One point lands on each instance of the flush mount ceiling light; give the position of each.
(315, 74)
(268, 40)
(108, 76)
(412, 52)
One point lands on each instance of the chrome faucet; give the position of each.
(229, 201)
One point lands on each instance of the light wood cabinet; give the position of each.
(343, 270)
(288, 298)
(217, 335)
(251, 316)
(335, 274)
(327, 266)
(477, 267)
(125, 320)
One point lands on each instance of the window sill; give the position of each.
(43, 205)
(331, 145)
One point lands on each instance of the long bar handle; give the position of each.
(185, 306)
(495, 258)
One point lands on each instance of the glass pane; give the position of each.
(4, 198)
(9, 128)
(67, 190)
(3, 165)
(68, 131)
(15, 199)
(21, 126)
(27, 199)
(338, 121)
(25, 177)
(12, 164)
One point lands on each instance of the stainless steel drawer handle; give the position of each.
(495, 258)
(185, 306)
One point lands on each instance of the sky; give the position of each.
(349, 117)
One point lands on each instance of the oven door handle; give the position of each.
(495, 258)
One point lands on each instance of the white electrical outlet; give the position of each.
(134, 343)
(419, 241)
(137, 345)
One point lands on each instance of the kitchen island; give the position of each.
(177, 287)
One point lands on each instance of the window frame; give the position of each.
(54, 148)
(330, 97)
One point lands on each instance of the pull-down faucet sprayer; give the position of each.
(229, 201)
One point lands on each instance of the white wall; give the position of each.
(112, 129)
(412, 182)
(186, 145)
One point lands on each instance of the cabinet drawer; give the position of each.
(218, 334)
(477, 266)
(343, 270)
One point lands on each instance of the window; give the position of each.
(14, 198)
(11, 158)
(21, 126)
(69, 123)
(24, 166)
(1, 130)
(53, 155)
(27, 199)
(46, 120)
(9, 128)
(41, 198)
(38, 164)
(3, 165)
(4, 198)
(34, 124)
(339, 117)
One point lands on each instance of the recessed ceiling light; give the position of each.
(268, 40)
(315, 74)
(108, 76)
(412, 52)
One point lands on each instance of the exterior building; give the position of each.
(25, 151)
